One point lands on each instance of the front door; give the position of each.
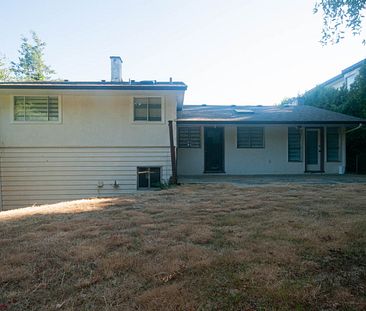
(313, 150)
(214, 150)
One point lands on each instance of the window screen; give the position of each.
(250, 137)
(148, 177)
(189, 137)
(294, 144)
(147, 108)
(36, 108)
(333, 144)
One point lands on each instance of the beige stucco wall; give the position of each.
(88, 119)
(272, 159)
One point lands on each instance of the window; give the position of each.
(350, 80)
(294, 144)
(147, 109)
(250, 137)
(36, 108)
(333, 144)
(148, 177)
(189, 137)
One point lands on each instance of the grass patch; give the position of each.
(273, 248)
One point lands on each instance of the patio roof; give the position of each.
(299, 114)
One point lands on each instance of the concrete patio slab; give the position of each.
(257, 180)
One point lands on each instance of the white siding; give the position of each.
(46, 175)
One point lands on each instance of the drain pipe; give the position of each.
(172, 154)
(354, 129)
(350, 131)
(1, 187)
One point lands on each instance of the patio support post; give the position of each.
(172, 154)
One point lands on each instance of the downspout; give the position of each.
(172, 154)
(350, 131)
(355, 128)
(1, 186)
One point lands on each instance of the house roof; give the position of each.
(343, 72)
(300, 114)
(84, 85)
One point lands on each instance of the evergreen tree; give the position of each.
(4, 70)
(326, 98)
(31, 65)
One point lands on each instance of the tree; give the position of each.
(340, 16)
(31, 65)
(356, 99)
(352, 101)
(4, 70)
(326, 98)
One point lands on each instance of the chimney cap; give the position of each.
(116, 57)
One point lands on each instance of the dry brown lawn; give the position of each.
(193, 247)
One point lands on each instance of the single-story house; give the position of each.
(240, 140)
(70, 140)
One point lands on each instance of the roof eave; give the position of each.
(96, 88)
(267, 122)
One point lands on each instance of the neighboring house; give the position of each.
(68, 140)
(346, 77)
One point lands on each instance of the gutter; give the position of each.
(96, 87)
(221, 121)
(354, 129)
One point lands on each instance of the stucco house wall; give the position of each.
(88, 120)
(272, 159)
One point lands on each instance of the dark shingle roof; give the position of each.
(263, 114)
(67, 85)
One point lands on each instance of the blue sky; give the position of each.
(227, 52)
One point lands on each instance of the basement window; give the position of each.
(250, 137)
(36, 108)
(148, 177)
(147, 109)
(189, 137)
(333, 150)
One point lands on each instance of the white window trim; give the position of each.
(144, 122)
(12, 115)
